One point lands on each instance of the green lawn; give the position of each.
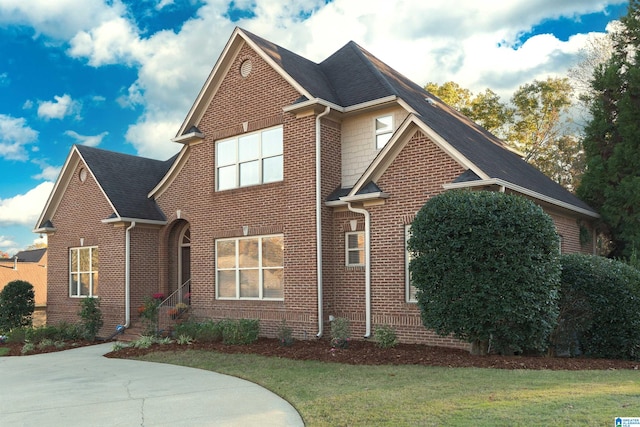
(329, 394)
(4, 351)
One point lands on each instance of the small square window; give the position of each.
(354, 243)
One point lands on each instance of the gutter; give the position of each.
(127, 275)
(367, 264)
(319, 221)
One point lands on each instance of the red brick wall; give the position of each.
(285, 207)
(79, 215)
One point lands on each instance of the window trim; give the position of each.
(237, 163)
(348, 250)
(91, 271)
(237, 269)
(378, 133)
(407, 273)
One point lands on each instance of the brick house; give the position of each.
(291, 198)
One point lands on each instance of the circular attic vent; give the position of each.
(246, 67)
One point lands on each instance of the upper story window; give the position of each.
(83, 272)
(249, 159)
(384, 130)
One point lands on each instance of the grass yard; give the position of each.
(331, 394)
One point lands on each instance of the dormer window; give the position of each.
(250, 159)
(384, 130)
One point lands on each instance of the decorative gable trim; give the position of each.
(237, 40)
(60, 187)
(518, 189)
(398, 141)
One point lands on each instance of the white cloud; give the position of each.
(88, 140)
(477, 44)
(14, 136)
(60, 108)
(6, 242)
(48, 172)
(24, 209)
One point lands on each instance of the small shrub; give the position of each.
(149, 315)
(119, 346)
(284, 334)
(184, 340)
(45, 343)
(91, 317)
(164, 341)
(68, 331)
(27, 348)
(209, 331)
(340, 332)
(385, 336)
(144, 341)
(59, 344)
(240, 331)
(17, 335)
(189, 328)
(17, 302)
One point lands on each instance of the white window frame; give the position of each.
(407, 273)
(359, 249)
(385, 133)
(79, 272)
(260, 159)
(237, 268)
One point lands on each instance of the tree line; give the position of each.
(597, 156)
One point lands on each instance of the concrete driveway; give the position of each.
(79, 387)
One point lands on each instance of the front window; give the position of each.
(250, 268)
(83, 272)
(410, 289)
(250, 159)
(354, 246)
(384, 130)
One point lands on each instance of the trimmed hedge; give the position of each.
(486, 268)
(17, 303)
(599, 308)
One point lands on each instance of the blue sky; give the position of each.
(122, 74)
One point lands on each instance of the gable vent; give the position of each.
(246, 67)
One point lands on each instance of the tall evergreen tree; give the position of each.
(611, 182)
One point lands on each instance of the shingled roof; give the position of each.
(127, 181)
(354, 76)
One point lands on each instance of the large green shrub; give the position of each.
(91, 317)
(17, 302)
(599, 308)
(486, 269)
(240, 331)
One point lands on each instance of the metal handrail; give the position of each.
(169, 309)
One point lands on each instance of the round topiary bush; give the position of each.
(17, 303)
(486, 269)
(599, 308)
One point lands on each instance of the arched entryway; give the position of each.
(179, 267)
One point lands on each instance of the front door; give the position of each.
(184, 266)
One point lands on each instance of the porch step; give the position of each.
(132, 333)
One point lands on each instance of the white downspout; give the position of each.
(127, 276)
(367, 265)
(319, 220)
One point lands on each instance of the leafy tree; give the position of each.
(486, 269)
(486, 109)
(17, 303)
(541, 126)
(611, 182)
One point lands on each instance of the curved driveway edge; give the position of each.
(79, 387)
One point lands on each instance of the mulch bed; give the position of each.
(367, 353)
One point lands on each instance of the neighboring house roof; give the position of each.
(125, 180)
(30, 267)
(353, 76)
(31, 255)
